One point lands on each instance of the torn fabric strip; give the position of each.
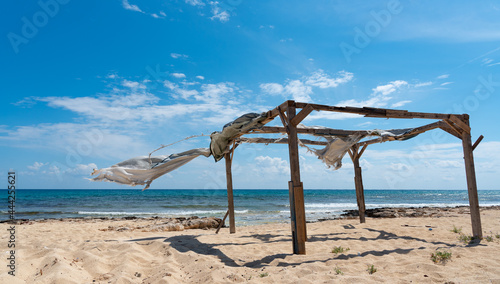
(143, 170)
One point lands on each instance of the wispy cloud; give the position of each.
(322, 80)
(179, 75)
(302, 89)
(195, 2)
(272, 88)
(36, 166)
(446, 83)
(218, 13)
(400, 104)
(131, 7)
(444, 76)
(178, 55)
(423, 84)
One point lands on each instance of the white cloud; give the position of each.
(195, 2)
(322, 80)
(82, 169)
(449, 164)
(178, 55)
(219, 13)
(400, 104)
(133, 85)
(154, 15)
(446, 83)
(299, 91)
(270, 165)
(36, 166)
(272, 88)
(444, 76)
(486, 61)
(423, 84)
(130, 7)
(212, 93)
(178, 75)
(200, 77)
(186, 94)
(170, 85)
(389, 88)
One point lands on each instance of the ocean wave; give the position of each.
(179, 213)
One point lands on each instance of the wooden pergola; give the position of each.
(455, 124)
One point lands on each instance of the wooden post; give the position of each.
(471, 184)
(296, 190)
(358, 181)
(230, 202)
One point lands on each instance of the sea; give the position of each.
(252, 207)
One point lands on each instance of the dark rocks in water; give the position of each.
(394, 212)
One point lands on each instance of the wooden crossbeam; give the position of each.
(278, 141)
(301, 115)
(460, 123)
(454, 128)
(325, 131)
(378, 112)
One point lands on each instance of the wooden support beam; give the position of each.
(278, 141)
(477, 142)
(472, 185)
(362, 151)
(455, 128)
(319, 131)
(445, 127)
(296, 190)
(358, 181)
(460, 123)
(222, 223)
(230, 201)
(351, 154)
(378, 112)
(301, 115)
(284, 120)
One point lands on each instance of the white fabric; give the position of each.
(334, 152)
(143, 170)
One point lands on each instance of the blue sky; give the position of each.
(87, 84)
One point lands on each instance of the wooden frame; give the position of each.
(454, 124)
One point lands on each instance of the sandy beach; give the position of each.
(101, 251)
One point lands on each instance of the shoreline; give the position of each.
(380, 212)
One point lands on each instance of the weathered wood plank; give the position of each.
(358, 181)
(454, 127)
(301, 115)
(278, 141)
(479, 139)
(222, 223)
(297, 212)
(445, 127)
(362, 151)
(460, 123)
(230, 201)
(378, 112)
(472, 185)
(326, 131)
